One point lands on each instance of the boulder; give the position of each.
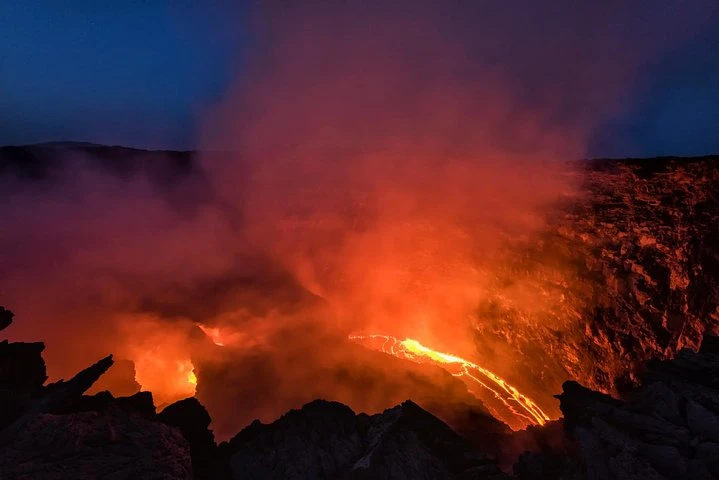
(666, 428)
(192, 419)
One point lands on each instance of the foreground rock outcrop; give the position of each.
(365, 380)
(193, 421)
(668, 428)
(327, 440)
(88, 445)
(55, 432)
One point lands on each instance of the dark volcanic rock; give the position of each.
(327, 440)
(140, 403)
(547, 453)
(193, 421)
(22, 366)
(668, 428)
(348, 373)
(6, 317)
(22, 374)
(51, 397)
(654, 236)
(114, 444)
(56, 432)
(626, 270)
(60, 434)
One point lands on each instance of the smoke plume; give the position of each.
(362, 175)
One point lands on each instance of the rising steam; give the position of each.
(362, 175)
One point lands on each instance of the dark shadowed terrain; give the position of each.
(666, 428)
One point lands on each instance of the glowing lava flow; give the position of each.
(522, 410)
(213, 333)
(192, 378)
(169, 379)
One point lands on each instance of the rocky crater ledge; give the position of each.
(667, 428)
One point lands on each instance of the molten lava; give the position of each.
(192, 378)
(504, 401)
(213, 333)
(167, 378)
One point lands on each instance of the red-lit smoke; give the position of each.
(361, 174)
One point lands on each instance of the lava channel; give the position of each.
(503, 400)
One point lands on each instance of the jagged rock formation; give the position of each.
(667, 429)
(55, 432)
(6, 317)
(654, 241)
(193, 421)
(22, 373)
(266, 390)
(61, 434)
(543, 453)
(120, 380)
(327, 440)
(89, 445)
(625, 271)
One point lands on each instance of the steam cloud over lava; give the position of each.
(364, 176)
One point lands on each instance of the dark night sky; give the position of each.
(132, 72)
(141, 73)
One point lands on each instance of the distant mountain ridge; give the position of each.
(42, 161)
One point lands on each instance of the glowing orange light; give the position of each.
(167, 378)
(522, 410)
(192, 378)
(213, 333)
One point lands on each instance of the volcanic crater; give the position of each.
(612, 306)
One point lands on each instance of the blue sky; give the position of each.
(141, 73)
(674, 109)
(127, 72)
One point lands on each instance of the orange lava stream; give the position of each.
(192, 378)
(517, 403)
(213, 333)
